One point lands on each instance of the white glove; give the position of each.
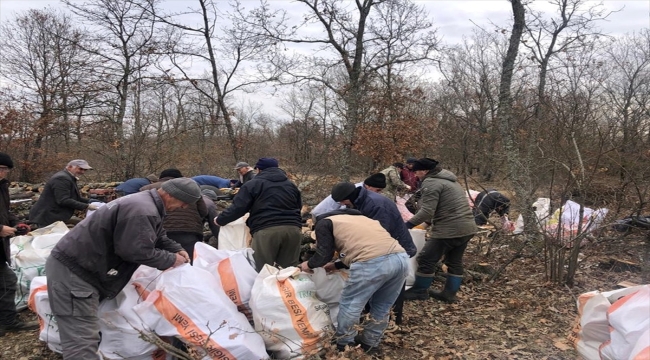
(93, 206)
(408, 187)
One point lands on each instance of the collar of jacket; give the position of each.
(71, 174)
(160, 205)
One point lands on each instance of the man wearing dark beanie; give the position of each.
(9, 320)
(380, 208)
(443, 204)
(374, 183)
(165, 175)
(274, 204)
(96, 259)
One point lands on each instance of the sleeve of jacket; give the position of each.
(428, 204)
(404, 236)
(396, 180)
(325, 245)
(241, 204)
(136, 240)
(62, 195)
(212, 213)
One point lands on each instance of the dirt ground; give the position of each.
(517, 316)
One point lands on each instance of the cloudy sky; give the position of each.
(453, 18)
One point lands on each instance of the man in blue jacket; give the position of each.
(274, 203)
(215, 181)
(376, 207)
(132, 186)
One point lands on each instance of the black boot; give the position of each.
(448, 295)
(419, 289)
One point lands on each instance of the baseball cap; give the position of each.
(241, 164)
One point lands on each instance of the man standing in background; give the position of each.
(61, 197)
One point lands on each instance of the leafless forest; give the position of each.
(547, 105)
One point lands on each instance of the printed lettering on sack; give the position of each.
(231, 287)
(298, 314)
(189, 330)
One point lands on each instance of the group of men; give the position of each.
(95, 260)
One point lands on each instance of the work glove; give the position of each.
(22, 229)
(93, 206)
(408, 187)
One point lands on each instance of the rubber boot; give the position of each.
(452, 285)
(419, 289)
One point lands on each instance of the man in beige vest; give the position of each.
(378, 268)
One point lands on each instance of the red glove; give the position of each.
(22, 229)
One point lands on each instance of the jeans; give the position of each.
(377, 281)
(434, 249)
(8, 283)
(74, 303)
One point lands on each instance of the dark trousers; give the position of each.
(435, 249)
(277, 245)
(187, 240)
(8, 283)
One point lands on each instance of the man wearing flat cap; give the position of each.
(374, 183)
(274, 204)
(245, 172)
(443, 204)
(96, 259)
(61, 196)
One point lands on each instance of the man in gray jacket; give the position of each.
(97, 258)
(444, 205)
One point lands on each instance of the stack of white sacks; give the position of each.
(220, 306)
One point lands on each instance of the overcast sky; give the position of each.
(453, 18)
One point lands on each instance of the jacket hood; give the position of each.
(445, 175)
(272, 174)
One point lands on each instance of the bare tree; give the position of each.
(348, 51)
(42, 56)
(125, 33)
(231, 53)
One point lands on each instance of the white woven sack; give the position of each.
(418, 237)
(40, 304)
(629, 319)
(329, 288)
(287, 313)
(233, 272)
(29, 254)
(235, 235)
(189, 303)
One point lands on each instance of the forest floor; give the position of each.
(519, 315)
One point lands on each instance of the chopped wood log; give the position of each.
(625, 284)
(619, 265)
(483, 268)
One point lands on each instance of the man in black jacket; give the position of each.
(61, 196)
(488, 201)
(274, 203)
(8, 316)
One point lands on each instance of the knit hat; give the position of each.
(83, 164)
(153, 178)
(377, 180)
(5, 160)
(342, 191)
(183, 189)
(425, 164)
(241, 164)
(210, 194)
(265, 163)
(411, 160)
(171, 173)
